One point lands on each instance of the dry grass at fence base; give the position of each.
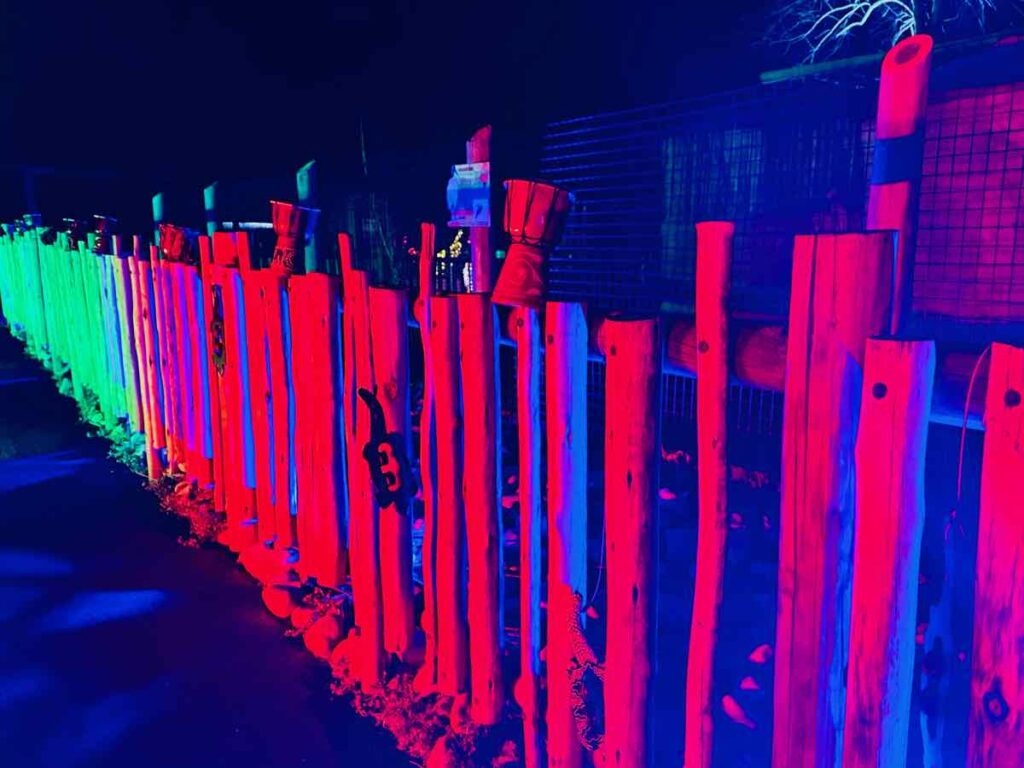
(194, 504)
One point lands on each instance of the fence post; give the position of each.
(526, 324)
(450, 557)
(478, 150)
(254, 287)
(480, 492)
(997, 659)
(157, 437)
(390, 337)
(364, 532)
(168, 370)
(426, 678)
(201, 416)
(890, 454)
(319, 427)
(147, 382)
(566, 403)
(896, 167)
(228, 348)
(841, 295)
(207, 272)
(714, 262)
(632, 455)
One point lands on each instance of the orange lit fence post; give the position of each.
(450, 558)
(427, 677)
(213, 334)
(228, 352)
(890, 453)
(390, 342)
(841, 296)
(714, 257)
(566, 401)
(480, 478)
(364, 532)
(632, 455)
(996, 735)
(896, 168)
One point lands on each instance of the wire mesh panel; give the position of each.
(776, 160)
(969, 260)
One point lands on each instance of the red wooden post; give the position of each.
(997, 658)
(364, 533)
(714, 259)
(319, 428)
(206, 270)
(151, 339)
(277, 311)
(180, 351)
(255, 287)
(841, 295)
(427, 677)
(126, 322)
(526, 323)
(148, 384)
(480, 493)
(168, 371)
(632, 457)
(227, 315)
(478, 150)
(202, 464)
(891, 442)
(902, 103)
(566, 401)
(449, 557)
(390, 334)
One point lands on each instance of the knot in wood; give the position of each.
(703, 346)
(879, 390)
(1011, 398)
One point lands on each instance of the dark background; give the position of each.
(114, 101)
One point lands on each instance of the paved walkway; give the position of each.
(119, 646)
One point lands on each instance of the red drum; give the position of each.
(535, 215)
(293, 225)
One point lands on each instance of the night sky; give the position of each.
(131, 97)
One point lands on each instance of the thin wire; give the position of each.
(963, 427)
(600, 564)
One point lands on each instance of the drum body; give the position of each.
(535, 215)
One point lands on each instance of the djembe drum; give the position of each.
(293, 224)
(535, 215)
(176, 244)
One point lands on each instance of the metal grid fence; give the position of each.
(792, 157)
(969, 260)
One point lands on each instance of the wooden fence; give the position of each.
(286, 393)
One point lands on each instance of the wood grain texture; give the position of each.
(450, 557)
(480, 492)
(841, 295)
(890, 453)
(389, 309)
(632, 458)
(528, 688)
(714, 267)
(997, 659)
(566, 414)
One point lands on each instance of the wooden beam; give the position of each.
(390, 337)
(426, 678)
(478, 346)
(841, 296)
(997, 660)
(890, 454)
(449, 557)
(714, 267)
(528, 687)
(632, 458)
